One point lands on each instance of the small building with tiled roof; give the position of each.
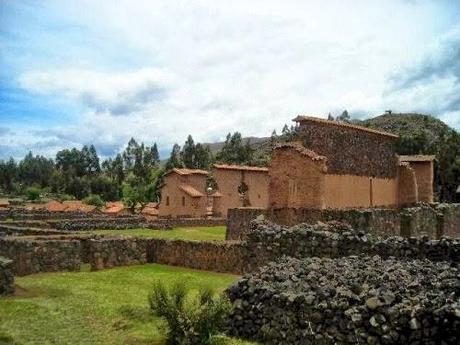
(78, 206)
(4, 203)
(55, 206)
(183, 193)
(115, 208)
(239, 186)
(150, 210)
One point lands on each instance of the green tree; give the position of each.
(174, 160)
(235, 150)
(95, 200)
(33, 193)
(344, 117)
(135, 193)
(8, 173)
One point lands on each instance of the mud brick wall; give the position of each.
(111, 252)
(350, 151)
(35, 255)
(6, 276)
(210, 256)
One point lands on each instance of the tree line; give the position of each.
(134, 175)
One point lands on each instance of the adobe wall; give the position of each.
(296, 180)
(34, 255)
(424, 175)
(351, 151)
(229, 180)
(407, 185)
(6, 276)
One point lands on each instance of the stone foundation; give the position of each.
(434, 221)
(6, 277)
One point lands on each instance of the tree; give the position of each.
(235, 151)
(330, 117)
(35, 170)
(188, 153)
(344, 117)
(8, 173)
(33, 193)
(95, 200)
(203, 157)
(174, 160)
(135, 193)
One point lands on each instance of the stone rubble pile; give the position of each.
(350, 300)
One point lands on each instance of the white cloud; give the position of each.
(209, 67)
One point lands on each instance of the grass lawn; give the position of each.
(206, 233)
(104, 307)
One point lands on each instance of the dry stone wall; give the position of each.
(353, 300)
(210, 256)
(6, 276)
(37, 255)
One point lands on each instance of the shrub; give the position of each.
(94, 199)
(192, 320)
(33, 193)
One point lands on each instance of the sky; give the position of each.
(100, 72)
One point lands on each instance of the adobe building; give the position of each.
(339, 165)
(423, 166)
(183, 194)
(239, 186)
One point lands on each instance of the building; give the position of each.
(339, 165)
(115, 208)
(4, 203)
(183, 194)
(239, 186)
(78, 206)
(423, 167)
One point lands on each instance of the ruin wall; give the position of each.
(6, 276)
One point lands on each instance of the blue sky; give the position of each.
(80, 72)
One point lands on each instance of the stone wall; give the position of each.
(6, 276)
(211, 256)
(12, 230)
(353, 300)
(18, 213)
(36, 255)
(110, 252)
(434, 221)
(349, 150)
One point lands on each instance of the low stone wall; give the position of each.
(41, 255)
(353, 300)
(99, 223)
(268, 242)
(26, 223)
(434, 221)
(6, 276)
(228, 257)
(12, 230)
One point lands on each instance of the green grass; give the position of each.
(209, 233)
(104, 307)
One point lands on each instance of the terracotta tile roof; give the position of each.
(55, 206)
(189, 190)
(78, 205)
(302, 150)
(32, 206)
(151, 209)
(417, 158)
(301, 118)
(184, 171)
(4, 203)
(240, 167)
(113, 207)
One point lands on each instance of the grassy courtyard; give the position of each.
(104, 307)
(209, 233)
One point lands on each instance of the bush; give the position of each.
(94, 199)
(33, 193)
(192, 320)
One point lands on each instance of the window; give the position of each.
(167, 201)
(183, 201)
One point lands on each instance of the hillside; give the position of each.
(416, 127)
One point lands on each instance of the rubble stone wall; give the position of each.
(209, 256)
(6, 276)
(41, 255)
(353, 300)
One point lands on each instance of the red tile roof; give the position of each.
(55, 206)
(78, 205)
(189, 190)
(301, 149)
(151, 209)
(184, 171)
(240, 167)
(417, 158)
(301, 118)
(114, 207)
(4, 203)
